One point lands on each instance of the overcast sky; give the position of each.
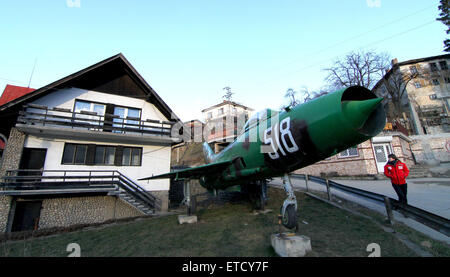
(188, 51)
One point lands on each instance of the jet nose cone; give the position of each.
(357, 112)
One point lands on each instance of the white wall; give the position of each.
(227, 110)
(65, 98)
(155, 160)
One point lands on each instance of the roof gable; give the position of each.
(225, 102)
(114, 75)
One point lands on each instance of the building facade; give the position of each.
(425, 97)
(223, 123)
(76, 148)
(365, 159)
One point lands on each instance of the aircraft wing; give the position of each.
(194, 172)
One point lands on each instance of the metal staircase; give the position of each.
(57, 182)
(136, 196)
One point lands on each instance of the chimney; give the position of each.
(394, 62)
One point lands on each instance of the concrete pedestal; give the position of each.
(290, 245)
(187, 219)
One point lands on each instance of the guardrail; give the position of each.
(431, 220)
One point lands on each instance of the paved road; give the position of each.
(430, 194)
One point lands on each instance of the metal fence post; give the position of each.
(306, 182)
(328, 189)
(389, 213)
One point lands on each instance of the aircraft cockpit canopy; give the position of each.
(259, 117)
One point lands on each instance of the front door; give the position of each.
(382, 150)
(26, 216)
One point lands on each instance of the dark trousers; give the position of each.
(401, 191)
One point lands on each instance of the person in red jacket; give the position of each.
(397, 171)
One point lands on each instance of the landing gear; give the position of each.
(289, 208)
(188, 200)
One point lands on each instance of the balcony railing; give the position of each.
(59, 117)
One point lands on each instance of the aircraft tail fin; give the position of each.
(208, 153)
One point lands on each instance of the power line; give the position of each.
(360, 35)
(9, 80)
(368, 45)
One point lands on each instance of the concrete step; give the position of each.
(144, 208)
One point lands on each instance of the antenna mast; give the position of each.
(34, 66)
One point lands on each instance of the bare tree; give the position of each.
(228, 95)
(291, 95)
(314, 94)
(395, 83)
(358, 68)
(444, 7)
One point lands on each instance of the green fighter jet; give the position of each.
(273, 144)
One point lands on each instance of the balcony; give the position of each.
(395, 127)
(64, 123)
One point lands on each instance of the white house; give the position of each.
(88, 137)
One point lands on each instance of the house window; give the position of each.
(74, 154)
(131, 156)
(436, 82)
(209, 115)
(128, 117)
(443, 65)
(83, 154)
(104, 155)
(413, 69)
(417, 85)
(87, 106)
(433, 67)
(351, 152)
(220, 111)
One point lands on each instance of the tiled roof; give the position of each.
(13, 92)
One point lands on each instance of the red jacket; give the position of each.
(397, 172)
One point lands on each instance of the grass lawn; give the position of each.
(223, 230)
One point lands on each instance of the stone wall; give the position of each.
(402, 150)
(431, 147)
(195, 187)
(163, 195)
(64, 212)
(13, 151)
(5, 204)
(363, 164)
